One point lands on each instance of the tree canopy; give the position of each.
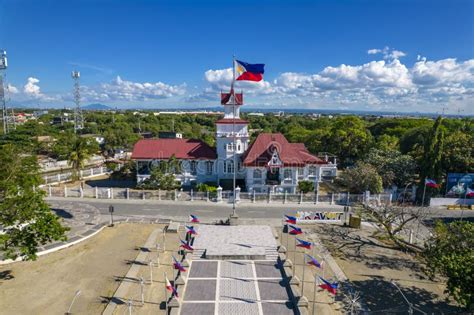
(26, 218)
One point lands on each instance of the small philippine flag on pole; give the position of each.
(431, 183)
(295, 230)
(312, 261)
(290, 219)
(177, 265)
(171, 288)
(190, 230)
(326, 285)
(304, 244)
(193, 218)
(186, 245)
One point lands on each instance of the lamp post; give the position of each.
(111, 211)
(78, 292)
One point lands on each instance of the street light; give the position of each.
(111, 210)
(78, 292)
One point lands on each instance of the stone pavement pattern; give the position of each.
(235, 287)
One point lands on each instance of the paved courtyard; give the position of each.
(235, 287)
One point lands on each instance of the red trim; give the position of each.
(249, 76)
(231, 121)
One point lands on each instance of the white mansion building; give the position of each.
(269, 163)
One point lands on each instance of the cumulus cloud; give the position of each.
(387, 52)
(123, 90)
(12, 89)
(384, 82)
(31, 90)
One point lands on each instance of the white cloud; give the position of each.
(31, 90)
(12, 89)
(387, 52)
(122, 90)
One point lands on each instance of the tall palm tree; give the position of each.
(78, 155)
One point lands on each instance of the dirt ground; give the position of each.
(371, 265)
(96, 266)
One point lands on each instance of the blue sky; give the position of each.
(178, 53)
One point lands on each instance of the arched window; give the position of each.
(257, 173)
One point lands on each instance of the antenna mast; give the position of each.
(7, 120)
(78, 119)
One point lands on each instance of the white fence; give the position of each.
(67, 176)
(224, 196)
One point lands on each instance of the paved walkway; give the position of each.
(235, 287)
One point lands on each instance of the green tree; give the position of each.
(79, 153)
(458, 153)
(392, 166)
(162, 175)
(450, 253)
(361, 178)
(431, 163)
(27, 220)
(305, 186)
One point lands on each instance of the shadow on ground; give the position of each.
(63, 213)
(6, 275)
(380, 296)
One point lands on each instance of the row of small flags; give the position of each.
(185, 245)
(326, 285)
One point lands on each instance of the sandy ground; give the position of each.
(154, 277)
(371, 265)
(47, 285)
(323, 302)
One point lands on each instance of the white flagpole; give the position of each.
(424, 191)
(166, 295)
(304, 268)
(233, 134)
(314, 294)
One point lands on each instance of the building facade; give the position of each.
(270, 163)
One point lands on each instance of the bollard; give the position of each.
(65, 191)
(159, 194)
(192, 195)
(143, 195)
(50, 192)
(96, 193)
(284, 197)
(175, 195)
(207, 195)
(332, 198)
(111, 193)
(127, 192)
(253, 197)
(301, 197)
(81, 191)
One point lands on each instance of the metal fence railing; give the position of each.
(224, 196)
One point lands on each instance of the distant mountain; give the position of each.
(96, 107)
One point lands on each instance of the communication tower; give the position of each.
(8, 121)
(78, 119)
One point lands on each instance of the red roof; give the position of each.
(230, 121)
(185, 149)
(290, 154)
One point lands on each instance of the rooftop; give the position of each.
(189, 149)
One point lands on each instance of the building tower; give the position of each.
(229, 130)
(8, 121)
(78, 119)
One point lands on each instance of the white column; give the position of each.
(219, 194)
(192, 195)
(49, 190)
(65, 191)
(96, 193)
(127, 192)
(81, 191)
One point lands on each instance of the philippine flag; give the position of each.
(312, 261)
(249, 72)
(186, 245)
(190, 230)
(170, 288)
(303, 244)
(193, 218)
(295, 230)
(469, 192)
(431, 183)
(290, 219)
(326, 285)
(177, 265)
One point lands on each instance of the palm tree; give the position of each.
(78, 155)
